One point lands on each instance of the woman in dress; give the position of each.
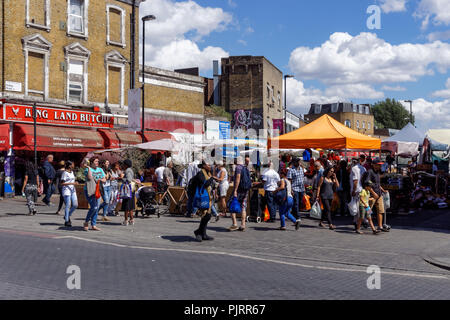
(128, 204)
(116, 176)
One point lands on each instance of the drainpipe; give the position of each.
(133, 45)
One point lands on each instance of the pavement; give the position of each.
(416, 243)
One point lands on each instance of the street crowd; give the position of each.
(329, 183)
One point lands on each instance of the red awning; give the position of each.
(4, 137)
(57, 139)
(119, 138)
(157, 135)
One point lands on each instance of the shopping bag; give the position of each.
(353, 206)
(386, 200)
(316, 212)
(235, 206)
(266, 214)
(201, 199)
(98, 192)
(306, 203)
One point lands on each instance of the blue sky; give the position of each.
(326, 44)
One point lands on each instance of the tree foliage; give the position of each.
(391, 114)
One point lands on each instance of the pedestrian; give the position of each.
(282, 168)
(69, 193)
(222, 178)
(191, 171)
(116, 176)
(242, 185)
(364, 208)
(106, 190)
(168, 175)
(356, 176)
(325, 191)
(271, 179)
(49, 179)
(128, 203)
(30, 186)
(286, 203)
(94, 175)
(318, 169)
(297, 177)
(161, 185)
(374, 175)
(343, 191)
(203, 179)
(59, 173)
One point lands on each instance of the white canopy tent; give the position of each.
(405, 143)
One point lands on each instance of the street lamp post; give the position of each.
(410, 110)
(285, 101)
(144, 19)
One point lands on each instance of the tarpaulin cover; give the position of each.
(120, 138)
(325, 133)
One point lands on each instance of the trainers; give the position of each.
(233, 228)
(198, 237)
(297, 224)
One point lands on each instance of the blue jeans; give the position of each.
(94, 205)
(271, 205)
(285, 211)
(49, 190)
(298, 197)
(106, 196)
(213, 210)
(71, 203)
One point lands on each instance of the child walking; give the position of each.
(364, 209)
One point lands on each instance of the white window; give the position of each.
(77, 58)
(368, 125)
(348, 123)
(36, 51)
(317, 108)
(361, 107)
(268, 91)
(363, 124)
(355, 108)
(334, 107)
(357, 124)
(38, 14)
(279, 99)
(115, 25)
(367, 110)
(77, 13)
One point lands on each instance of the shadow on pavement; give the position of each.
(71, 229)
(179, 238)
(218, 229)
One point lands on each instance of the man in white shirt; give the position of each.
(160, 176)
(271, 179)
(356, 182)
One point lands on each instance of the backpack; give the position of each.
(245, 184)
(125, 191)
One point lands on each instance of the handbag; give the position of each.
(386, 200)
(316, 212)
(235, 206)
(91, 186)
(98, 192)
(125, 191)
(306, 203)
(201, 198)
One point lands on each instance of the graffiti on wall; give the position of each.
(243, 120)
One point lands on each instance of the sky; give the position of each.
(360, 51)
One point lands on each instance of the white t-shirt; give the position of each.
(160, 174)
(271, 177)
(68, 177)
(356, 174)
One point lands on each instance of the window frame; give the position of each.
(38, 44)
(334, 107)
(116, 60)
(348, 123)
(317, 108)
(30, 24)
(77, 52)
(357, 124)
(122, 26)
(85, 17)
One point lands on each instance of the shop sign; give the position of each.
(13, 86)
(45, 115)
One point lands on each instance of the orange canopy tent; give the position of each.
(325, 133)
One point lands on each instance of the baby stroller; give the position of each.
(146, 200)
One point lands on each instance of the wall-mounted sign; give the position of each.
(45, 115)
(13, 86)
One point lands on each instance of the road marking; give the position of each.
(406, 274)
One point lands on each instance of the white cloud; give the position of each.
(431, 115)
(171, 39)
(355, 91)
(366, 59)
(443, 35)
(443, 93)
(396, 88)
(389, 6)
(437, 11)
(243, 42)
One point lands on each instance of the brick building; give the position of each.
(251, 90)
(357, 117)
